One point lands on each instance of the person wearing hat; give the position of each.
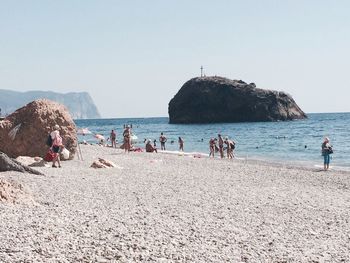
(56, 146)
(149, 147)
(326, 151)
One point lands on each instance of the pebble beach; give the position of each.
(174, 208)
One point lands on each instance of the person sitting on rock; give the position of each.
(150, 148)
(56, 146)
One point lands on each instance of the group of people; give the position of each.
(219, 144)
(213, 147)
(127, 134)
(215, 144)
(162, 140)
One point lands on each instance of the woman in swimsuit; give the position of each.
(127, 139)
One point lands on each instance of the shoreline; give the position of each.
(310, 166)
(273, 141)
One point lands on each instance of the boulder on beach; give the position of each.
(102, 163)
(25, 132)
(218, 99)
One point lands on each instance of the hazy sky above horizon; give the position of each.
(133, 56)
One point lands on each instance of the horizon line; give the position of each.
(153, 117)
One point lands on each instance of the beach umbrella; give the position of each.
(82, 131)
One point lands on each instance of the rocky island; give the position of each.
(218, 99)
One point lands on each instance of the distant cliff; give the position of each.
(79, 104)
(217, 99)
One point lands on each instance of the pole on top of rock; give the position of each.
(201, 71)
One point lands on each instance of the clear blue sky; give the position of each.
(133, 56)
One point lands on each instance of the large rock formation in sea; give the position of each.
(25, 132)
(79, 104)
(218, 99)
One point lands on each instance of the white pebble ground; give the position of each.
(170, 208)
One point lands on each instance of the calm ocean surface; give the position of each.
(292, 142)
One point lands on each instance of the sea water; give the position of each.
(293, 142)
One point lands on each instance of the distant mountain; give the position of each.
(79, 104)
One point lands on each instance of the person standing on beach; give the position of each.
(181, 144)
(212, 144)
(56, 146)
(113, 137)
(326, 151)
(127, 138)
(221, 146)
(162, 140)
(230, 147)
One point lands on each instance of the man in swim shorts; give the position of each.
(162, 140)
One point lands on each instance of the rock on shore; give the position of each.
(218, 99)
(25, 132)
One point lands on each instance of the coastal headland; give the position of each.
(171, 208)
